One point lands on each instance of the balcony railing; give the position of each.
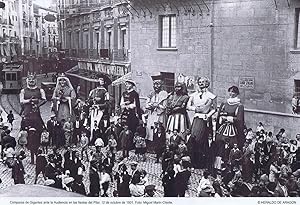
(99, 54)
(120, 54)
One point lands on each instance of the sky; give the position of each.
(43, 3)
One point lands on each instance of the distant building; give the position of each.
(95, 36)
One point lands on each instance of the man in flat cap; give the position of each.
(155, 106)
(130, 105)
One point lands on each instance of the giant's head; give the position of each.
(31, 80)
(203, 82)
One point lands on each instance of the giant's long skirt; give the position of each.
(200, 130)
(63, 111)
(178, 122)
(227, 133)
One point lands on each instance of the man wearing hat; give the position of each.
(130, 105)
(50, 128)
(99, 110)
(156, 104)
(149, 191)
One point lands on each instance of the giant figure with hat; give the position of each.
(63, 97)
(99, 105)
(155, 107)
(203, 104)
(31, 99)
(130, 106)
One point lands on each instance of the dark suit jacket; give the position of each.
(175, 141)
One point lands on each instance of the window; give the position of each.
(167, 31)
(297, 29)
(13, 76)
(297, 87)
(8, 76)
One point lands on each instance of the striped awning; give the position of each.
(122, 79)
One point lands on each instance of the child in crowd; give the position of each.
(112, 146)
(140, 146)
(84, 143)
(10, 118)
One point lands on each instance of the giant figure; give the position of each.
(63, 97)
(176, 109)
(155, 106)
(203, 104)
(130, 106)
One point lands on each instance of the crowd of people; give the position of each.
(82, 138)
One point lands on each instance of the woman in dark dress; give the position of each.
(230, 122)
(123, 178)
(94, 180)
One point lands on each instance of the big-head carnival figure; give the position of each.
(31, 98)
(203, 104)
(99, 105)
(63, 96)
(155, 106)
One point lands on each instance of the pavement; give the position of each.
(154, 170)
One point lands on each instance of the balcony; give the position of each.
(120, 54)
(99, 54)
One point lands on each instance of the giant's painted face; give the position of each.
(232, 94)
(157, 85)
(62, 82)
(31, 81)
(203, 82)
(128, 85)
(101, 81)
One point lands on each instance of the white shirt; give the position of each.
(196, 101)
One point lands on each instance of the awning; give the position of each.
(122, 79)
(88, 75)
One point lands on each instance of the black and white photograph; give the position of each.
(150, 98)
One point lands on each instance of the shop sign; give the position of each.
(246, 83)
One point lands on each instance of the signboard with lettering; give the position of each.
(246, 83)
(115, 70)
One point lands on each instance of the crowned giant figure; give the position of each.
(63, 97)
(155, 107)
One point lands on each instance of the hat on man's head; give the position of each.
(134, 163)
(156, 79)
(149, 188)
(130, 81)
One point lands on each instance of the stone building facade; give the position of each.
(96, 39)
(253, 44)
